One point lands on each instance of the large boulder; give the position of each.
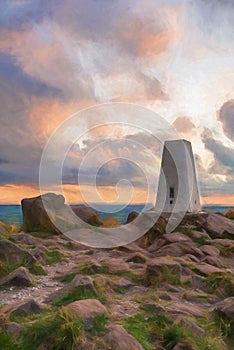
(38, 210)
(35, 217)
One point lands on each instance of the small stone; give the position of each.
(19, 277)
(207, 269)
(226, 307)
(118, 338)
(12, 328)
(207, 249)
(124, 282)
(182, 346)
(23, 308)
(88, 310)
(186, 309)
(176, 237)
(198, 331)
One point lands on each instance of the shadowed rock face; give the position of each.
(88, 215)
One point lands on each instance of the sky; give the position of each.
(173, 57)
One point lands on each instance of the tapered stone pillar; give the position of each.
(177, 187)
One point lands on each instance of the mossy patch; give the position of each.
(53, 256)
(80, 293)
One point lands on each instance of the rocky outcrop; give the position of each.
(216, 225)
(165, 290)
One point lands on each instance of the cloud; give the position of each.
(19, 147)
(184, 124)
(56, 59)
(226, 117)
(223, 154)
(218, 176)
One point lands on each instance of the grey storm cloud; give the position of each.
(20, 150)
(224, 156)
(208, 180)
(226, 117)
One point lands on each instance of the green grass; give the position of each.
(147, 327)
(119, 290)
(7, 342)
(61, 330)
(164, 275)
(150, 328)
(224, 281)
(99, 324)
(137, 259)
(200, 240)
(225, 325)
(53, 256)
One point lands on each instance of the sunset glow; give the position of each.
(174, 57)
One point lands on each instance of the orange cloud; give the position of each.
(225, 199)
(106, 193)
(13, 194)
(141, 38)
(47, 115)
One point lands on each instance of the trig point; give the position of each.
(177, 187)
